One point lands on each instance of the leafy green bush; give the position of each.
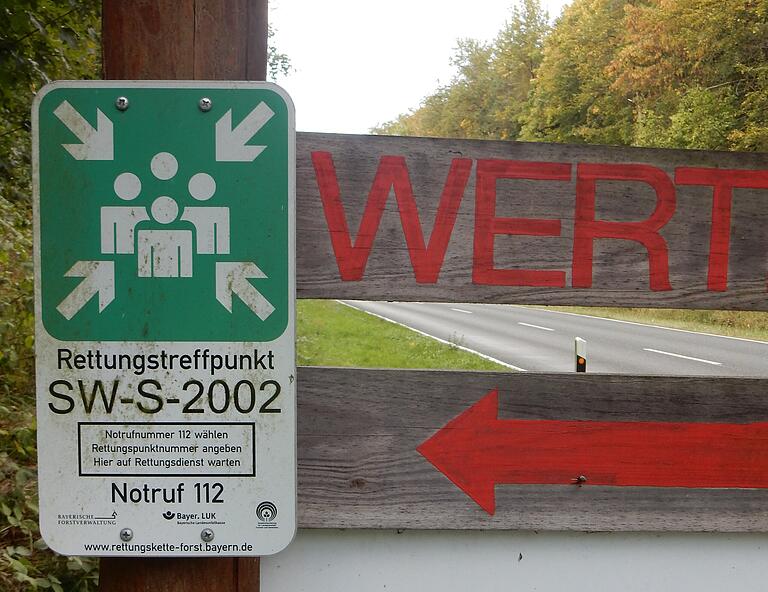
(26, 563)
(40, 41)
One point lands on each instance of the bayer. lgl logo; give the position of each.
(266, 512)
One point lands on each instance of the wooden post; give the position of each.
(182, 574)
(183, 40)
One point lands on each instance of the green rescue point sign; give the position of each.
(165, 317)
(163, 213)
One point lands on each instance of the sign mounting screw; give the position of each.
(206, 535)
(126, 535)
(121, 103)
(205, 104)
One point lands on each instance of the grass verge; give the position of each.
(749, 325)
(331, 334)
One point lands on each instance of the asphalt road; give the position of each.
(537, 340)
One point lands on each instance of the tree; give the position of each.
(572, 99)
(698, 68)
(40, 41)
(486, 97)
(665, 73)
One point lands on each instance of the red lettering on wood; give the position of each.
(391, 174)
(487, 225)
(723, 182)
(646, 232)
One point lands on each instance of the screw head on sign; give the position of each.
(121, 103)
(205, 104)
(126, 534)
(206, 535)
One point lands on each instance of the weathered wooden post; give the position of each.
(183, 40)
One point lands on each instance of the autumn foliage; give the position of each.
(663, 73)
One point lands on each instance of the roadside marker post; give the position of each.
(580, 351)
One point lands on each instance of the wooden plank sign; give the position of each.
(470, 450)
(484, 221)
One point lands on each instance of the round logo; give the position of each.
(266, 512)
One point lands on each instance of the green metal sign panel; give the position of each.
(174, 204)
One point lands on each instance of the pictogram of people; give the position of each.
(164, 251)
(211, 223)
(118, 222)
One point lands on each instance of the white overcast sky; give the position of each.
(358, 63)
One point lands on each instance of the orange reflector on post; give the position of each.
(581, 355)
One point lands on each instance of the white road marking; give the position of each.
(461, 310)
(577, 314)
(536, 326)
(461, 347)
(658, 351)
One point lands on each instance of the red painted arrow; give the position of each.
(476, 450)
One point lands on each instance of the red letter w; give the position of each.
(391, 174)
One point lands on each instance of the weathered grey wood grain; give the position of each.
(621, 270)
(359, 468)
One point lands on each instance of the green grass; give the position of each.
(750, 325)
(331, 334)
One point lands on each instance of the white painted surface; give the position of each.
(448, 561)
(536, 326)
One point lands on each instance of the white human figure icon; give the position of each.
(118, 222)
(211, 223)
(165, 253)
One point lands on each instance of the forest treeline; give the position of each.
(660, 73)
